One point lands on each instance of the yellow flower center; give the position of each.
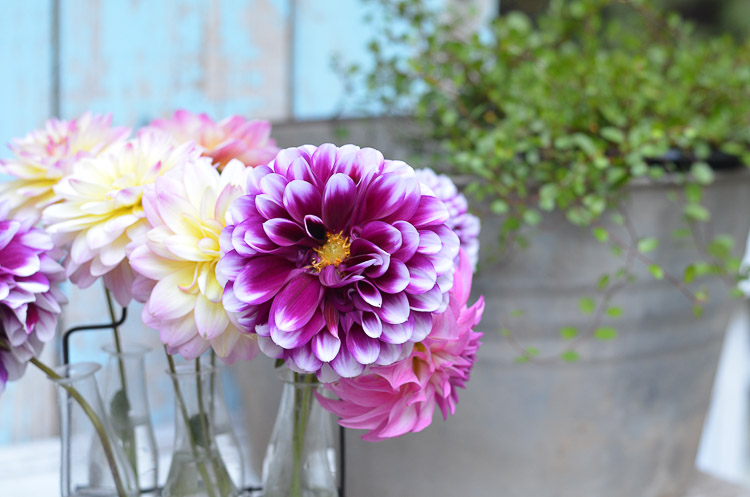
(333, 252)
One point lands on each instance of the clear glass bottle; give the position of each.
(301, 458)
(126, 399)
(235, 459)
(93, 464)
(197, 468)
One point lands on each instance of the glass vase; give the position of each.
(93, 464)
(197, 468)
(236, 462)
(301, 458)
(127, 404)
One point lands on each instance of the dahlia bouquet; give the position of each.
(351, 270)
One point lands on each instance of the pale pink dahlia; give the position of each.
(30, 299)
(101, 209)
(337, 259)
(232, 138)
(43, 157)
(400, 398)
(186, 209)
(460, 220)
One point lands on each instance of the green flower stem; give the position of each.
(98, 426)
(302, 405)
(127, 435)
(186, 420)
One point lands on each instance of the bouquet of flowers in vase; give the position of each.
(351, 270)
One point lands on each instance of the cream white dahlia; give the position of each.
(186, 209)
(101, 207)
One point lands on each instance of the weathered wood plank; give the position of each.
(25, 56)
(141, 59)
(342, 30)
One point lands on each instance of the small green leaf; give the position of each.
(516, 313)
(499, 207)
(681, 233)
(603, 282)
(647, 244)
(587, 305)
(702, 173)
(656, 271)
(531, 217)
(279, 363)
(568, 333)
(689, 275)
(697, 212)
(532, 351)
(570, 356)
(612, 134)
(605, 333)
(601, 234)
(614, 312)
(693, 193)
(616, 250)
(505, 332)
(721, 246)
(617, 218)
(523, 358)
(697, 311)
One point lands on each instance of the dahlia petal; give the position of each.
(429, 242)
(384, 195)
(395, 309)
(167, 300)
(269, 348)
(385, 236)
(428, 301)
(422, 326)
(261, 278)
(396, 279)
(305, 359)
(315, 228)
(345, 365)
(20, 261)
(297, 302)
(339, 199)
(369, 293)
(409, 240)
(268, 207)
(210, 318)
(363, 348)
(284, 232)
(325, 346)
(293, 339)
(302, 199)
(422, 275)
(398, 333)
(371, 324)
(431, 211)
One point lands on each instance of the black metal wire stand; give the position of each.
(245, 492)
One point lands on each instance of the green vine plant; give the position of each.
(561, 113)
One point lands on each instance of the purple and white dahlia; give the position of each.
(29, 295)
(465, 224)
(337, 259)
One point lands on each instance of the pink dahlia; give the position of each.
(232, 138)
(29, 295)
(43, 157)
(463, 223)
(337, 259)
(400, 398)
